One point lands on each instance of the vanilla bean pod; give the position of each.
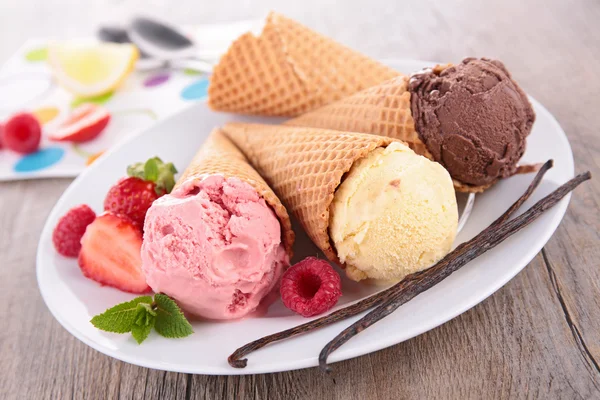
(235, 359)
(537, 179)
(419, 282)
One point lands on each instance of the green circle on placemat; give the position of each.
(36, 55)
(103, 98)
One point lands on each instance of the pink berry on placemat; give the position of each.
(22, 133)
(70, 229)
(310, 287)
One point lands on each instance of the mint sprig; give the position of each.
(143, 313)
(170, 321)
(120, 318)
(155, 170)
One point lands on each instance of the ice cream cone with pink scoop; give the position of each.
(220, 241)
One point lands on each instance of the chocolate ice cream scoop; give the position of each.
(473, 118)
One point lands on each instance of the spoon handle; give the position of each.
(193, 64)
(150, 64)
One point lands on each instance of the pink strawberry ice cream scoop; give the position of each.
(213, 245)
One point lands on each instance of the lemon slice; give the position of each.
(91, 69)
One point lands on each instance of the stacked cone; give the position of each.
(289, 70)
(304, 166)
(381, 110)
(218, 156)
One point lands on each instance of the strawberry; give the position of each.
(85, 123)
(110, 253)
(22, 133)
(1, 129)
(133, 196)
(70, 229)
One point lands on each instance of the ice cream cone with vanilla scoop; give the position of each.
(220, 240)
(368, 202)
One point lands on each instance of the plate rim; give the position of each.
(345, 353)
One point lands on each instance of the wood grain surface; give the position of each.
(538, 337)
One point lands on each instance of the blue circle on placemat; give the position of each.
(39, 160)
(196, 90)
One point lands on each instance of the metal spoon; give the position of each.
(164, 42)
(118, 34)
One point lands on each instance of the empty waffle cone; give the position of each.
(288, 70)
(304, 166)
(381, 110)
(218, 156)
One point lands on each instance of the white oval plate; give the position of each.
(74, 299)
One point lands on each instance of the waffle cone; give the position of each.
(218, 156)
(288, 70)
(304, 166)
(381, 110)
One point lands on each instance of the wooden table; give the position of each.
(538, 337)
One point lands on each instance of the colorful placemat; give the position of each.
(145, 98)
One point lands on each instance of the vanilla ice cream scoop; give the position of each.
(394, 214)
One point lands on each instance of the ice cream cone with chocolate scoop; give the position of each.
(220, 241)
(287, 70)
(472, 118)
(368, 202)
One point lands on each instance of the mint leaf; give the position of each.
(120, 318)
(151, 169)
(143, 323)
(170, 321)
(140, 333)
(147, 307)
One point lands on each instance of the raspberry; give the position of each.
(70, 229)
(311, 287)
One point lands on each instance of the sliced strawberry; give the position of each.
(85, 123)
(110, 253)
